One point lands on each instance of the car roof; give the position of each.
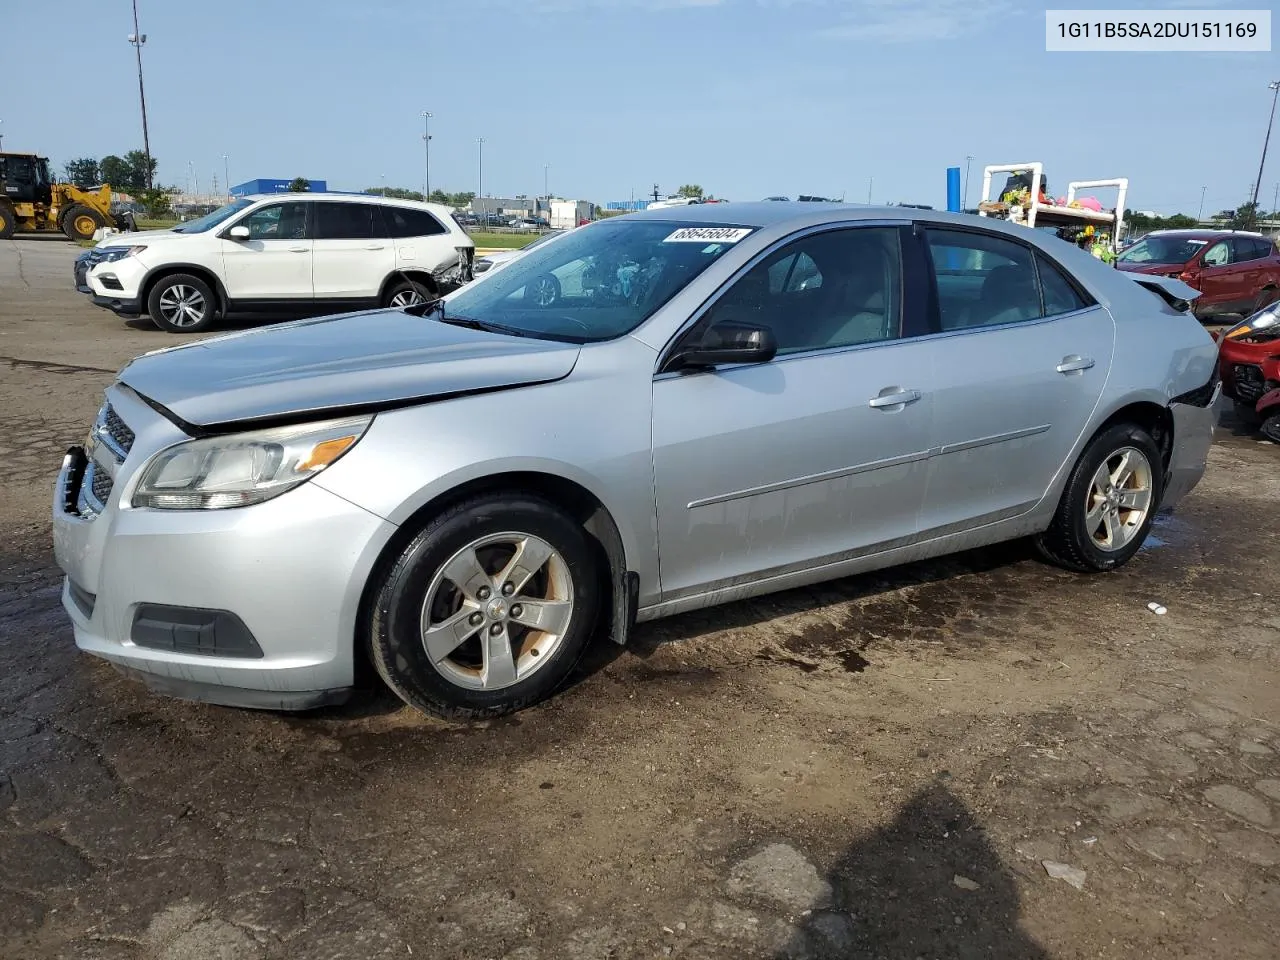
(1193, 234)
(354, 198)
(773, 213)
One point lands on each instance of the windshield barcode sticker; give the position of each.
(708, 235)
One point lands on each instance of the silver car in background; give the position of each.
(719, 402)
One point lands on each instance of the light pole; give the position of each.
(1200, 215)
(870, 182)
(1274, 85)
(1, 138)
(964, 204)
(546, 179)
(138, 38)
(480, 191)
(226, 172)
(1275, 199)
(426, 150)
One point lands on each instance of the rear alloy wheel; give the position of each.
(182, 303)
(81, 222)
(487, 610)
(1109, 503)
(406, 293)
(8, 222)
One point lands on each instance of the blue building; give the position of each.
(250, 187)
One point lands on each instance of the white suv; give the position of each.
(299, 253)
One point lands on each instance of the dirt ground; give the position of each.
(872, 768)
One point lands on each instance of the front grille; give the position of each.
(118, 430)
(1249, 382)
(100, 484)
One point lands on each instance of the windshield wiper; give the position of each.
(471, 323)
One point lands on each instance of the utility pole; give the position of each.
(546, 180)
(1274, 86)
(870, 181)
(138, 38)
(1275, 199)
(1200, 215)
(480, 192)
(426, 149)
(964, 204)
(1, 138)
(226, 173)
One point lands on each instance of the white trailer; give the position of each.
(1034, 213)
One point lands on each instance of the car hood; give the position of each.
(135, 237)
(350, 362)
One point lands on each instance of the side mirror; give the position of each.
(730, 342)
(238, 233)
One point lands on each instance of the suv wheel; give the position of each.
(1109, 503)
(406, 293)
(182, 303)
(487, 610)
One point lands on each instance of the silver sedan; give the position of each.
(652, 414)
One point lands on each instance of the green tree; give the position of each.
(399, 193)
(438, 196)
(157, 202)
(83, 173)
(690, 190)
(299, 185)
(1244, 217)
(128, 174)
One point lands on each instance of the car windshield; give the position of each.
(211, 220)
(597, 282)
(1162, 250)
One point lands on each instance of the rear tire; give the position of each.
(81, 222)
(406, 293)
(182, 303)
(8, 222)
(1098, 525)
(1270, 428)
(458, 589)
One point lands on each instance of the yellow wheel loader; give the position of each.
(31, 202)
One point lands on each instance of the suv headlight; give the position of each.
(1262, 327)
(236, 470)
(112, 254)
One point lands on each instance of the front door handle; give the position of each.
(375, 246)
(893, 397)
(297, 249)
(1074, 363)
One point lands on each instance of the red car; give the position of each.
(1249, 364)
(1235, 272)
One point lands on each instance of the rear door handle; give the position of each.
(897, 397)
(1074, 364)
(375, 246)
(297, 249)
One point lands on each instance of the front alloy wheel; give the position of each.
(182, 306)
(1119, 499)
(497, 611)
(487, 609)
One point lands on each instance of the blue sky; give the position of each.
(746, 97)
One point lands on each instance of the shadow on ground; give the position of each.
(896, 897)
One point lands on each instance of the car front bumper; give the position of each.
(253, 607)
(1193, 428)
(116, 285)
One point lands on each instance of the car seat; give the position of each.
(1008, 295)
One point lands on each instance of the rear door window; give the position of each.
(982, 279)
(1244, 249)
(348, 221)
(404, 222)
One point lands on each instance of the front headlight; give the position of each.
(213, 473)
(112, 254)
(1259, 328)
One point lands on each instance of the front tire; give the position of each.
(81, 222)
(8, 222)
(487, 610)
(1109, 503)
(182, 303)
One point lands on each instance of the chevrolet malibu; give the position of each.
(721, 401)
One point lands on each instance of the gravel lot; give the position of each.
(875, 767)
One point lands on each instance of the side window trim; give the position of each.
(696, 318)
